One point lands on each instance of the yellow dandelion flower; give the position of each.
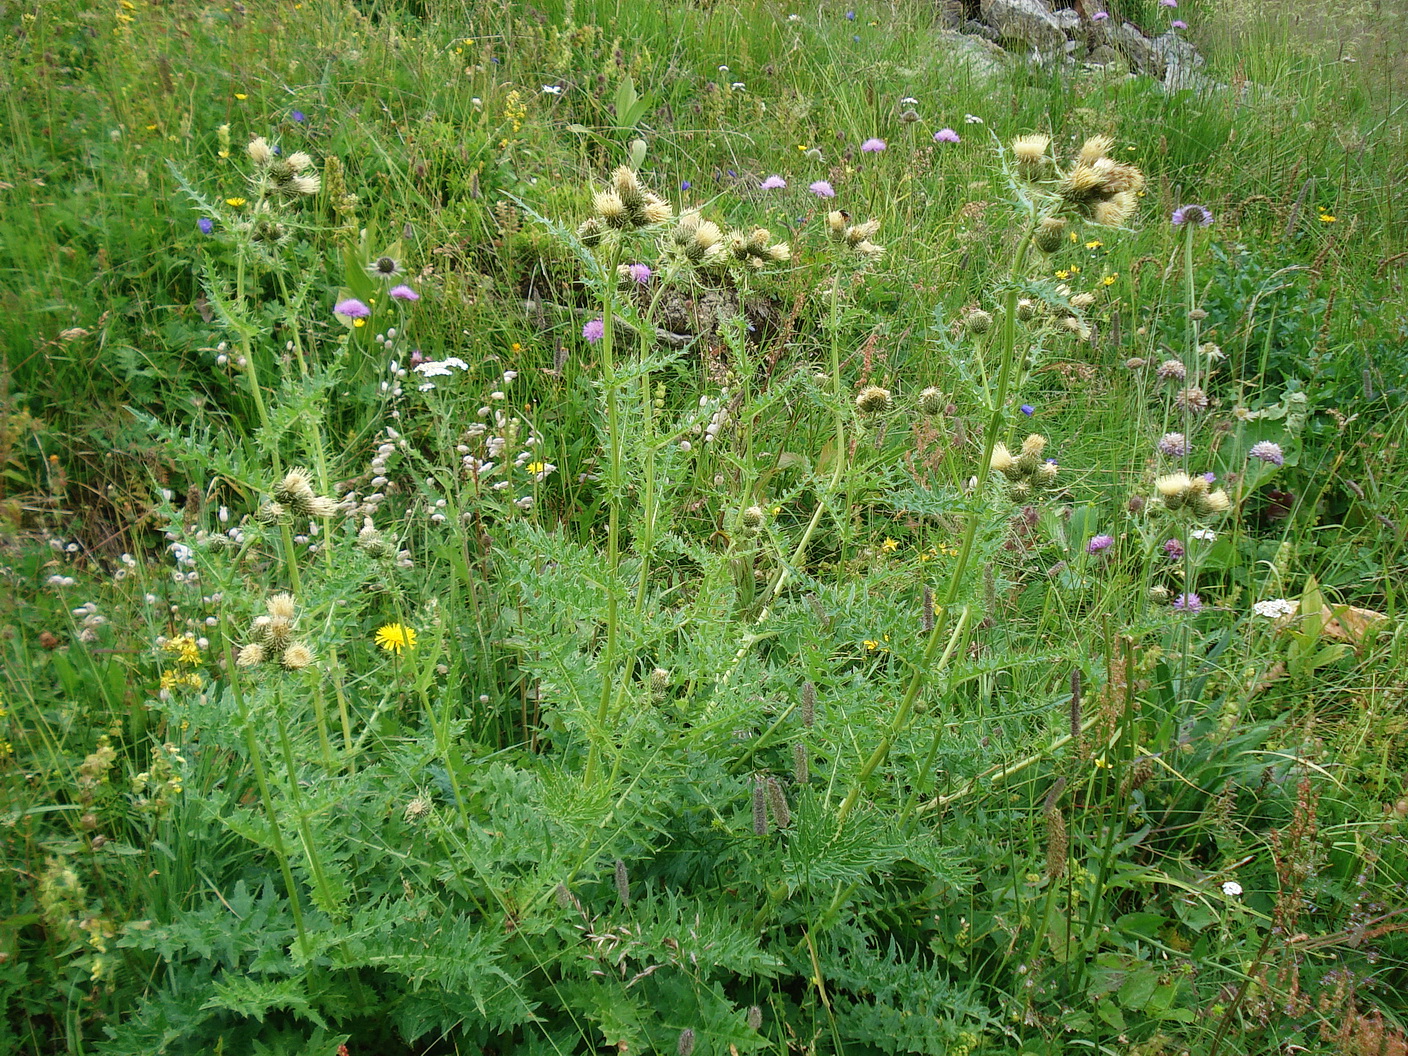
(515, 347)
(889, 546)
(395, 637)
(1063, 274)
(234, 203)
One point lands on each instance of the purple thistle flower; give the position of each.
(1028, 409)
(352, 309)
(1210, 477)
(640, 272)
(206, 225)
(945, 135)
(1174, 548)
(1266, 451)
(403, 293)
(1188, 603)
(1099, 543)
(594, 331)
(1192, 214)
(1099, 16)
(773, 183)
(1175, 445)
(1168, 3)
(873, 146)
(822, 189)
(298, 116)
(1178, 23)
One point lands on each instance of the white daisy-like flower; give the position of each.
(1275, 608)
(1232, 889)
(972, 119)
(552, 89)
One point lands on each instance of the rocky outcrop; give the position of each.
(1080, 32)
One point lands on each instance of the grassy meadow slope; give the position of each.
(699, 527)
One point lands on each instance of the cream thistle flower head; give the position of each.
(395, 637)
(626, 205)
(1030, 152)
(873, 400)
(1100, 188)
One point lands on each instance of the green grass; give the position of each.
(739, 716)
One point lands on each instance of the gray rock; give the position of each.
(1029, 22)
(1133, 45)
(1102, 55)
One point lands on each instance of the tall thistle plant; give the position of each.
(1049, 194)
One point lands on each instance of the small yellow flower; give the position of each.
(1073, 237)
(151, 128)
(515, 347)
(1063, 274)
(535, 467)
(1326, 218)
(776, 510)
(802, 147)
(1094, 243)
(359, 322)
(1075, 270)
(234, 203)
(871, 645)
(889, 546)
(394, 637)
(241, 96)
(1109, 280)
(184, 649)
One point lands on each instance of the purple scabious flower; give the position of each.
(352, 309)
(594, 330)
(850, 16)
(403, 293)
(1099, 544)
(640, 272)
(1168, 3)
(1173, 548)
(773, 183)
(1266, 451)
(1028, 409)
(1188, 603)
(298, 116)
(945, 135)
(1099, 16)
(873, 146)
(822, 189)
(1192, 214)
(1210, 477)
(206, 225)
(1178, 23)
(685, 185)
(1175, 445)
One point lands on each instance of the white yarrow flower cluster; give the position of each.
(1275, 608)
